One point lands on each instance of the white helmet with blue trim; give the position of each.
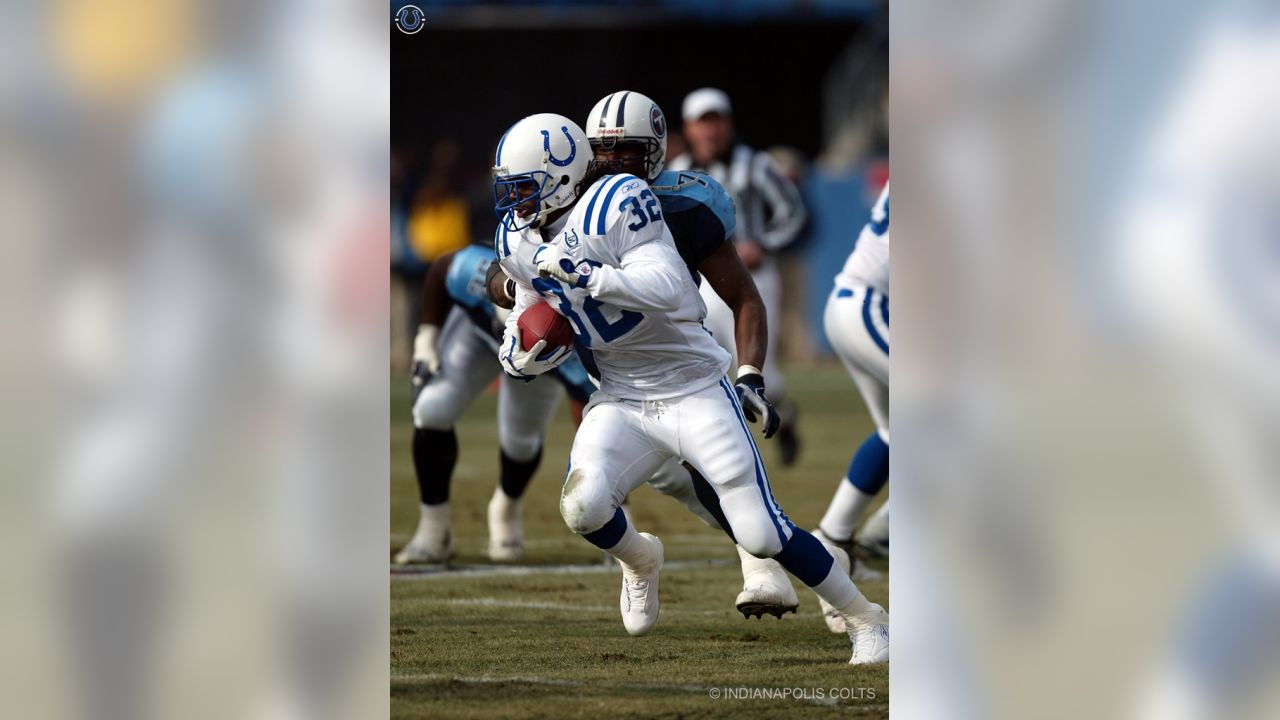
(537, 168)
(629, 117)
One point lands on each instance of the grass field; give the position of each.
(546, 640)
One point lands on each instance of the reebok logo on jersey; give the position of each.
(630, 186)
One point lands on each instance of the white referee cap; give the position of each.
(703, 101)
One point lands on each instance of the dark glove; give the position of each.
(755, 405)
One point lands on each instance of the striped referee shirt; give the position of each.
(769, 209)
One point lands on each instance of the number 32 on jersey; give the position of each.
(606, 331)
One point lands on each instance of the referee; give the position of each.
(770, 215)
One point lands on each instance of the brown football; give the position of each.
(542, 322)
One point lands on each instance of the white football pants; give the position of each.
(857, 325)
(468, 363)
(622, 443)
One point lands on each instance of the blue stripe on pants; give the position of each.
(870, 325)
(761, 484)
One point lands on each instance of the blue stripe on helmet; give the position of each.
(622, 105)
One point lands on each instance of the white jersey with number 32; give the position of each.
(640, 318)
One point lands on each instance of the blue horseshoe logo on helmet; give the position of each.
(546, 145)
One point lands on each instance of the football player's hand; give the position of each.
(525, 364)
(426, 362)
(554, 263)
(755, 405)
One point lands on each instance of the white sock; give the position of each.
(508, 507)
(843, 512)
(751, 563)
(876, 528)
(433, 515)
(635, 552)
(837, 588)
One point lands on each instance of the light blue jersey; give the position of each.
(699, 213)
(465, 280)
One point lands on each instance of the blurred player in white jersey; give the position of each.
(609, 265)
(771, 215)
(453, 362)
(857, 324)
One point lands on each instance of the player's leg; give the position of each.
(674, 480)
(873, 538)
(765, 586)
(612, 455)
(524, 411)
(714, 439)
(467, 364)
(769, 283)
(856, 323)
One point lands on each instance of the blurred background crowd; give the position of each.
(808, 83)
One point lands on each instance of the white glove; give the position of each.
(525, 364)
(425, 360)
(554, 262)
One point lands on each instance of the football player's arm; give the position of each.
(501, 289)
(436, 304)
(786, 214)
(648, 279)
(724, 270)
(515, 360)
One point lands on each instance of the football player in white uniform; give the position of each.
(857, 324)
(605, 259)
(453, 362)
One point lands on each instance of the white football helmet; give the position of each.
(540, 159)
(629, 117)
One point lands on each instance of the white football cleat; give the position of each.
(506, 529)
(765, 588)
(433, 541)
(639, 601)
(832, 616)
(869, 634)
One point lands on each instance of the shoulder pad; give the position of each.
(465, 279)
(683, 187)
(603, 200)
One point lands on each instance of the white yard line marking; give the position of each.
(542, 605)
(442, 572)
